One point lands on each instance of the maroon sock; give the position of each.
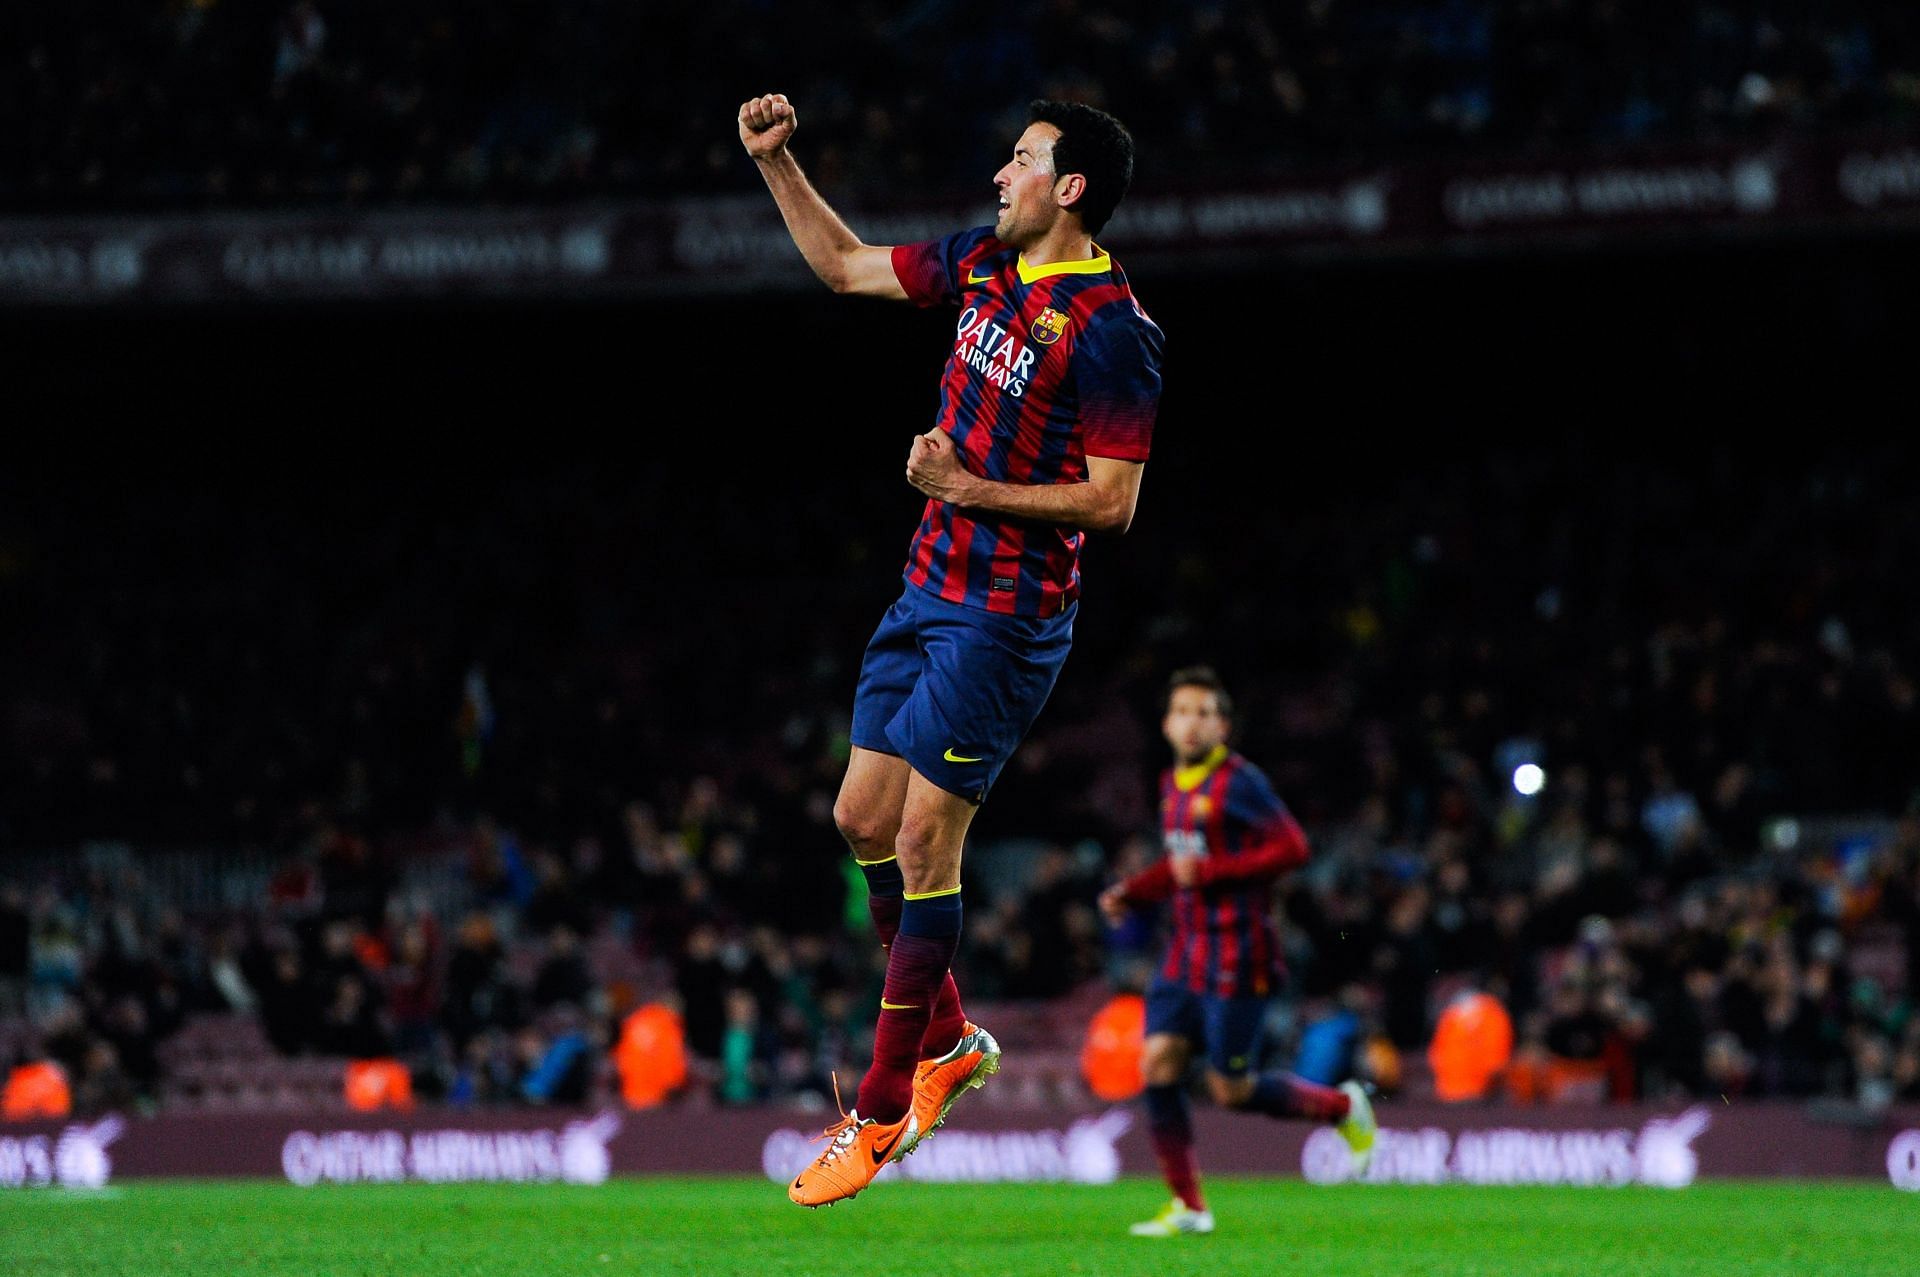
(949, 1020)
(1176, 1164)
(916, 965)
(1284, 1095)
(1170, 1125)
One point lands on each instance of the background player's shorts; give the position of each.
(1228, 1028)
(953, 689)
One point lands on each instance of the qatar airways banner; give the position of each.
(717, 245)
(1594, 1147)
(1659, 1153)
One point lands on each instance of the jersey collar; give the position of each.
(1189, 778)
(1099, 264)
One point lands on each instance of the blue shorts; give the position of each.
(1228, 1028)
(953, 689)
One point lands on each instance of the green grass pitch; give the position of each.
(714, 1226)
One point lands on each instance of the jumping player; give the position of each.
(1228, 837)
(1046, 411)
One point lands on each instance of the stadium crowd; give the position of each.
(139, 105)
(631, 811)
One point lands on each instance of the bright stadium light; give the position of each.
(1527, 779)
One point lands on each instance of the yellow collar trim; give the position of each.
(1098, 265)
(1189, 778)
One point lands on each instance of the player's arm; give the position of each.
(1283, 846)
(1150, 886)
(1276, 841)
(1104, 502)
(836, 254)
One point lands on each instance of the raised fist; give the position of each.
(766, 122)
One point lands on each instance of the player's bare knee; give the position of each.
(1162, 1073)
(868, 832)
(928, 860)
(1162, 1063)
(1229, 1092)
(914, 842)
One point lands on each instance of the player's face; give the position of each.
(1194, 724)
(1028, 207)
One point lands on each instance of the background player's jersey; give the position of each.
(1223, 812)
(1050, 365)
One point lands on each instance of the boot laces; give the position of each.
(841, 1134)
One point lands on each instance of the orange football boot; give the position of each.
(937, 1084)
(857, 1147)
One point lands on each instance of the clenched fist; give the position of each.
(933, 466)
(766, 122)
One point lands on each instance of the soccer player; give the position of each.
(1046, 411)
(1228, 837)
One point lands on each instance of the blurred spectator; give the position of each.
(1116, 1039)
(479, 994)
(563, 977)
(743, 1068)
(373, 1084)
(558, 1069)
(37, 1089)
(1471, 1047)
(349, 1025)
(651, 1055)
(286, 1001)
(414, 986)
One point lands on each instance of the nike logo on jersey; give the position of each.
(974, 277)
(952, 757)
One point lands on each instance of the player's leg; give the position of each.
(933, 830)
(869, 811)
(1283, 1095)
(883, 1125)
(1173, 1024)
(873, 796)
(1233, 1027)
(1278, 1093)
(985, 679)
(1233, 1033)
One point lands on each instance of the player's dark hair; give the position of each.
(1204, 677)
(1094, 145)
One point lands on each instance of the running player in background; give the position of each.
(1228, 837)
(1046, 411)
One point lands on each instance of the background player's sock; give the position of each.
(885, 889)
(1284, 1095)
(1171, 1127)
(917, 964)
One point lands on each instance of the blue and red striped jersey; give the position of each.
(1050, 365)
(1222, 812)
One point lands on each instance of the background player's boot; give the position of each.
(857, 1147)
(1358, 1128)
(938, 1083)
(1175, 1218)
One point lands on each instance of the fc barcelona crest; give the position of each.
(1202, 807)
(1048, 325)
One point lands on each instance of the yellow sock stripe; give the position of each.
(929, 895)
(865, 863)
